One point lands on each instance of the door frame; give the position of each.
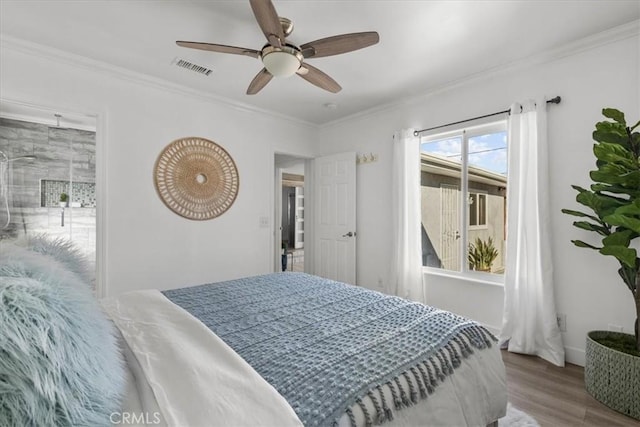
(276, 234)
(100, 117)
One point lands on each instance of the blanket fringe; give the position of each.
(403, 394)
(396, 399)
(387, 414)
(419, 379)
(367, 416)
(413, 394)
(376, 405)
(423, 378)
(352, 418)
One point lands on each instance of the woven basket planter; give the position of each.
(612, 377)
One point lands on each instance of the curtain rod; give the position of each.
(555, 100)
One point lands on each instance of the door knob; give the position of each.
(349, 234)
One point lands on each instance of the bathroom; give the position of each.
(47, 177)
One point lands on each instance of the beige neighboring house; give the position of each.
(440, 185)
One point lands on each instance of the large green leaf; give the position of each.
(630, 209)
(619, 176)
(619, 238)
(626, 256)
(601, 204)
(578, 188)
(613, 133)
(581, 214)
(615, 153)
(581, 244)
(624, 221)
(611, 188)
(628, 276)
(592, 227)
(616, 173)
(614, 114)
(633, 182)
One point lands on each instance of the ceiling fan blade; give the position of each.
(267, 18)
(318, 78)
(336, 45)
(259, 81)
(220, 48)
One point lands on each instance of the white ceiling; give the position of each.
(423, 44)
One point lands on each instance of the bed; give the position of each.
(295, 349)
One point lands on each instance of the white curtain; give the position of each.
(406, 264)
(529, 324)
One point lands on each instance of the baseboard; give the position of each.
(574, 355)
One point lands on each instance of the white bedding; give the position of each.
(191, 377)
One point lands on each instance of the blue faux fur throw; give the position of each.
(60, 363)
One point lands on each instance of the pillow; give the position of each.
(63, 251)
(59, 359)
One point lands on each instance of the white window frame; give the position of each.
(473, 129)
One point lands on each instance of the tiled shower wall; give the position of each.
(62, 156)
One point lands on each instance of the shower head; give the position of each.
(5, 159)
(28, 157)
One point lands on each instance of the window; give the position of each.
(464, 181)
(477, 209)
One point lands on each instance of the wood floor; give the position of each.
(556, 396)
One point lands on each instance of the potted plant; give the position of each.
(612, 370)
(64, 199)
(482, 254)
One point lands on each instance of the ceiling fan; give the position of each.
(281, 58)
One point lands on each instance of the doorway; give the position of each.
(290, 213)
(327, 222)
(48, 177)
(292, 228)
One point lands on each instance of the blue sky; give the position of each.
(485, 151)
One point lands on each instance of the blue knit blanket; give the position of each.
(325, 345)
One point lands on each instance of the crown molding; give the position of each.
(619, 33)
(42, 51)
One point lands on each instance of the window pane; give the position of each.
(440, 186)
(473, 209)
(487, 183)
(482, 209)
(488, 153)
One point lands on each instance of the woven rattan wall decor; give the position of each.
(196, 178)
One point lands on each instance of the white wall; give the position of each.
(588, 289)
(147, 245)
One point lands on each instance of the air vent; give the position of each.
(191, 66)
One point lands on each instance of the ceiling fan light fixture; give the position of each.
(281, 62)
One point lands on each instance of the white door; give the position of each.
(335, 217)
(450, 220)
